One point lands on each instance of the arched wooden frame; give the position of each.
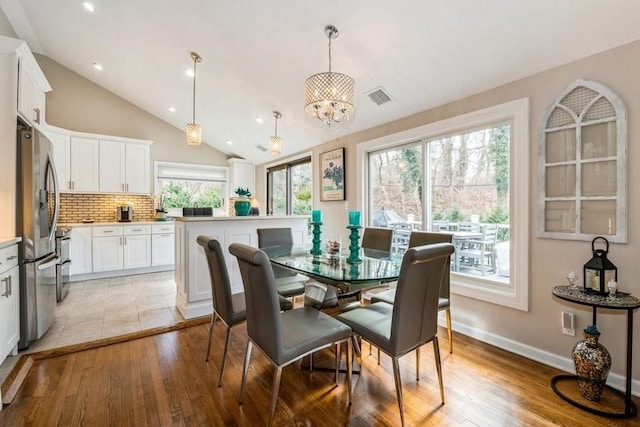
(582, 165)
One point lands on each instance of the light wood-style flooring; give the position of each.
(163, 380)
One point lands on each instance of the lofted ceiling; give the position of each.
(257, 54)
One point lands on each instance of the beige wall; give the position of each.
(5, 27)
(550, 260)
(78, 104)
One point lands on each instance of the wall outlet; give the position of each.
(346, 206)
(568, 323)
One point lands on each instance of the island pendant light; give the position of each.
(275, 142)
(330, 97)
(194, 131)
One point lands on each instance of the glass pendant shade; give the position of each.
(275, 145)
(194, 134)
(330, 97)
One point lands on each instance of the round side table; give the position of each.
(620, 302)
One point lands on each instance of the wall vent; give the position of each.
(379, 96)
(261, 147)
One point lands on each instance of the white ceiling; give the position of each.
(257, 54)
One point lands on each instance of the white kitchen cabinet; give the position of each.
(124, 167)
(9, 301)
(121, 247)
(81, 250)
(61, 158)
(137, 246)
(162, 244)
(32, 86)
(84, 164)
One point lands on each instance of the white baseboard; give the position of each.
(563, 363)
(119, 273)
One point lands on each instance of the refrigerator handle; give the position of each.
(48, 262)
(56, 191)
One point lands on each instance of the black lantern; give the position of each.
(598, 271)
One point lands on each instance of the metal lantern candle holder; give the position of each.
(598, 271)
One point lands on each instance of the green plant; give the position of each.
(243, 192)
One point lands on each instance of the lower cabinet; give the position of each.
(80, 251)
(9, 301)
(121, 247)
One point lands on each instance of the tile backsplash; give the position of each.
(102, 207)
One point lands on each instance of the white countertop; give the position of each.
(236, 218)
(8, 241)
(89, 224)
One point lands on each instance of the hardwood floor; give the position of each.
(164, 380)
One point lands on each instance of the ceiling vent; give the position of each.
(379, 96)
(261, 147)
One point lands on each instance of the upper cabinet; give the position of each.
(241, 174)
(583, 165)
(124, 167)
(32, 86)
(89, 163)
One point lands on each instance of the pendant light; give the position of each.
(194, 131)
(275, 142)
(330, 97)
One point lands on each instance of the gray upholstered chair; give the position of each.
(412, 320)
(279, 242)
(283, 337)
(228, 307)
(376, 238)
(420, 238)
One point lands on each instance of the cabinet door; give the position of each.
(9, 312)
(112, 166)
(163, 250)
(80, 251)
(137, 251)
(62, 159)
(137, 169)
(84, 164)
(107, 253)
(25, 91)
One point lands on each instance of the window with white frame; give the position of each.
(289, 188)
(467, 176)
(190, 185)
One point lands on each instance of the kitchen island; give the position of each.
(193, 298)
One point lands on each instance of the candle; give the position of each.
(354, 217)
(316, 216)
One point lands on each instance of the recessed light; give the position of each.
(259, 120)
(189, 72)
(228, 141)
(97, 66)
(89, 6)
(172, 108)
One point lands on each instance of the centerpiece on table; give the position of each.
(161, 211)
(242, 204)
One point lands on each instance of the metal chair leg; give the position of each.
(349, 368)
(449, 332)
(436, 352)
(338, 358)
(396, 376)
(224, 355)
(213, 320)
(274, 397)
(418, 364)
(245, 369)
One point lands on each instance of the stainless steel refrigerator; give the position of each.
(37, 216)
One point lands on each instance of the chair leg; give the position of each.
(436, 352)
(245, 369)
(338, 358)
(447, 312)
(274, 396)
(224, 355)
(349, 368)
(378, 356)
(396, 376)
(418, 364)
(311, 362)
(213, 321)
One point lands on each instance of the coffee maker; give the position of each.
(124, 213)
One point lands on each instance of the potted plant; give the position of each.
(242, 205)
(161, 212)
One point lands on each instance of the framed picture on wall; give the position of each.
(333, 175)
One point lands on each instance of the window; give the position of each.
(583, 150)
(468, 176)
(191, 185)
(289, 188)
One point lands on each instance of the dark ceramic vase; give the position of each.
(242, 206)
(593, 363)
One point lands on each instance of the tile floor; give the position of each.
(103, 308)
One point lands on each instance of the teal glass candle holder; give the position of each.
(354, 218)
(354, 247)
(316, 248)
(316, 216)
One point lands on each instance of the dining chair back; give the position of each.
(279, 242)
(228, 307)
(283, 337)
(377, 238)
(411, 321)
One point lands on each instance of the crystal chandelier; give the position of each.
(275, 142)
(331, 97)
(194, 131)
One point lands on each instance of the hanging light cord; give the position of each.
(195, 60)
(276, 135)
(329, 53)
